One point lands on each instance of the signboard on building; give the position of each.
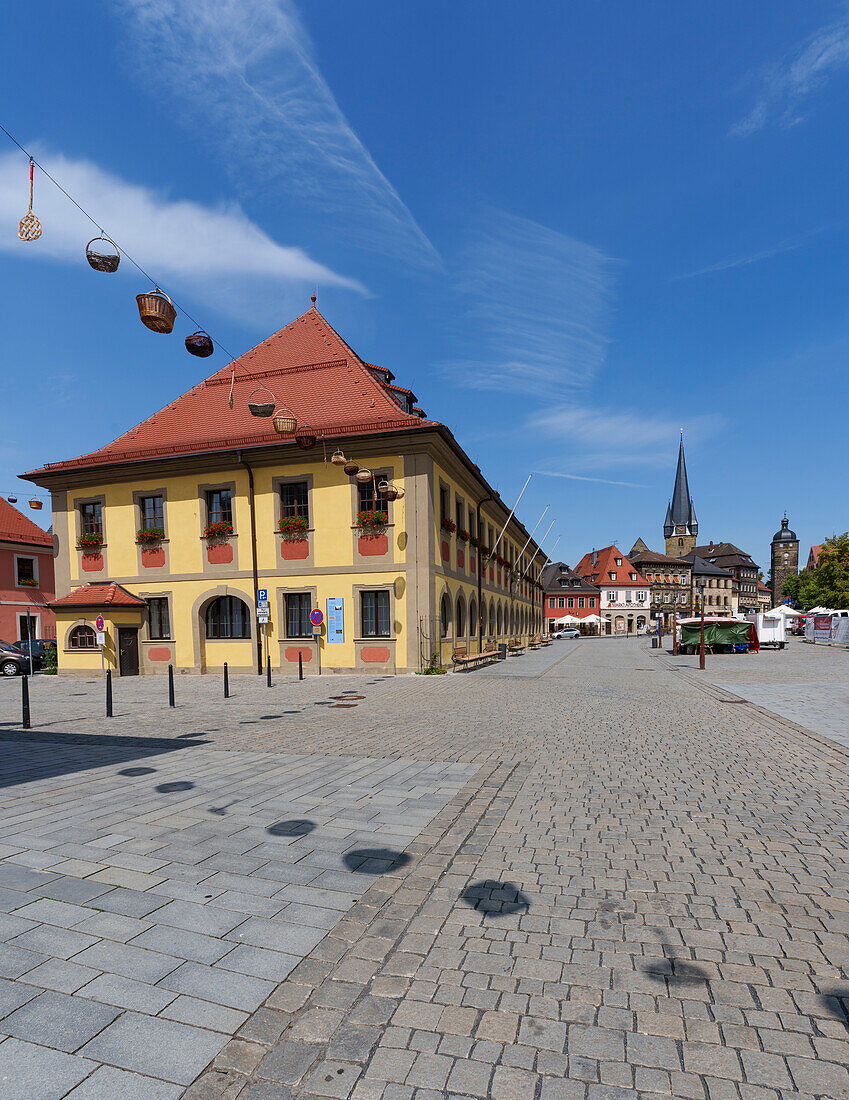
(335, 620)
(822, 628)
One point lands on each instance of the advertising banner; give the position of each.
(822, 628)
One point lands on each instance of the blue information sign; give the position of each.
(335, 619)
(262, 595)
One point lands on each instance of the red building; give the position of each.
(568, 595)
(26, 577)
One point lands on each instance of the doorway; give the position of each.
(128, 651)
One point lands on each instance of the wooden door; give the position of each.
(128, 651)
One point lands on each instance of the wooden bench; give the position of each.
(515, 647)
(462, 659)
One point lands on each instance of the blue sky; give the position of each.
(570, 228)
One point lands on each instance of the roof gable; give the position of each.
(310, 370)
(605, 565)
(99, 595)
(16, 527)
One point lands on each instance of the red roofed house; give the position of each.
(348, 502)
(26, 577)
(814, 557)
(625, 593)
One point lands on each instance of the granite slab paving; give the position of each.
(144, 910)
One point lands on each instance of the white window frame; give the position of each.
(35, 617)
(27, 557)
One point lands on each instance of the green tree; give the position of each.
(828, 584)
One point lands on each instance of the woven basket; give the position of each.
(364, 475)
(338, 459)
(34, 503)
(305, 439)
(200, 344)
(101, 259)
(156, 311)
(285, 423)
(262, 406)
(351, 468)
(391, 494)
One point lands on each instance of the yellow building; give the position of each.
(170, 531)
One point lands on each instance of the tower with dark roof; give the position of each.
(680, 528)
(784, 559)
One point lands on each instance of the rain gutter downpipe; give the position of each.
(253, 557)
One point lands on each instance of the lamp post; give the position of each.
(674, 631)
(702, 627)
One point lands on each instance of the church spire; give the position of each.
(683, 514)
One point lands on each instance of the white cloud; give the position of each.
(789, 245)
(247, 80)
(788, 83)
(602, 438)
(211, 251)
(600, 480)
(541, 302)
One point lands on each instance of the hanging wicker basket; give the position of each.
(35, 503)
(200, 343)
(382, 486)
(338, 459)
(364, 475)
(351, 468)
(261, 405)
(390, 493)
(156, 311)
(12, 499)
(305, 438)
(399, 494)
(284, 422)
(102, 254)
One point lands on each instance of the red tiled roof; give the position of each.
(99, 595)
(605, 564)
(309, 368)
(16, 527)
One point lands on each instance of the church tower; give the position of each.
(680, 528)
(784, 559)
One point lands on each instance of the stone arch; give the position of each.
(499, 621)
(199, 619)
(473, 618)
(445, 615)
(460, 616)
(492, 617)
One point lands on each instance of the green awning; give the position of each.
(730, 633)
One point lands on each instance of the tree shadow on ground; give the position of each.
(835, 1000)
(375, 861)
(298, 826)
(47, 755)
(677, 974)
(176, 787)
(496, 899)
(137, 771)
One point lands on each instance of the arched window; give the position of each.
(460, 617)
(82, 637)
(228, 617)
(473, 616)
(445, 614)
(492, 618)
(498, 621)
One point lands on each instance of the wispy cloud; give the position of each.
(787, 84)
(247, 79)
(600, 480)
(789, 245)
(208, 251)
(602, 438)
(540, 303)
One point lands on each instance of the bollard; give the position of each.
(109, 693)
(25, 701)
(300, 665)
(268, 670)
(226, 682)
(171, 702)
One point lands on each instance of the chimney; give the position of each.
(595, 557)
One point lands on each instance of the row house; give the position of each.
(741, 566)
(671, 582)
(566, 594)
(624, 593)
(299, 478)
(719, 587)
(26, 577)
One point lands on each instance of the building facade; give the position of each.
(764, 597)
(717, 585)
(567, 594)
(680, 527)
(670, 583)
(740, 564)
(364, 511)
(624, 592)
(784, 559)
(26, 577)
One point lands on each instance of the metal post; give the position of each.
(300, 665)
(674, 631)
(109, 693)
(268, 669)
(171, 702)
(226, 682)
(25, 722)
(30, 639)
(702, 629)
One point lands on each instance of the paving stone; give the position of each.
(220, 986)
(156, 1047)
(108, 1083)
(113, 989)
(288, 1062)
(58, 1020)
(32, 1072)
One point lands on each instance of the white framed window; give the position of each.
(641, 596)
(26, 571)
(618, 561)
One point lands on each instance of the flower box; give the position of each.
(372, 520)
(30, 582)
(90, 540)
(449, 525)
(149, 536)
(220, 530)
(463, 535)
(294, 525)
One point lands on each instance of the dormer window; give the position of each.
(612, 576)
(618, 561)
(633, 576)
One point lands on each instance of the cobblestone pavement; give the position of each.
(605, 878)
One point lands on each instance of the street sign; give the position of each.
(316, 616)
(101, 637)
(317, 628)
(263, 617)
(98, 622)
(262, 595)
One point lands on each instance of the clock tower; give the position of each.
(680, 528)
(784, 559)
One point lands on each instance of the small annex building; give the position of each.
(26, 577)
(356, 509)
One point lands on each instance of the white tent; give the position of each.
(784, 611)
(566, 619)
(592, 619)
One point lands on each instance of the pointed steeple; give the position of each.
(668, 525)
(682, 509)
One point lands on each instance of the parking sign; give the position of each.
(262, 595)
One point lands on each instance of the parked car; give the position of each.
(12, 661)
(566, 632)
(40, 648)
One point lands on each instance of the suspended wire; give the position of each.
(112, 240)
